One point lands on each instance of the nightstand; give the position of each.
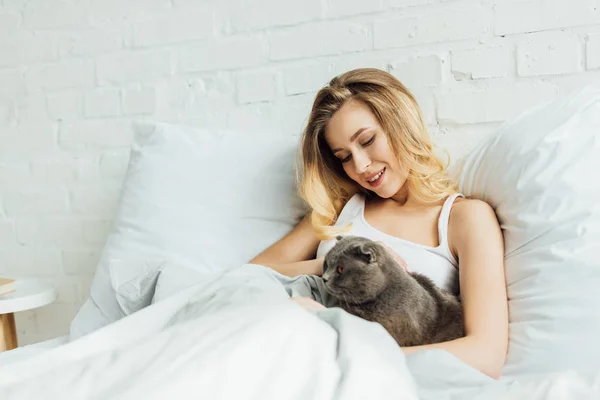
(29, 293)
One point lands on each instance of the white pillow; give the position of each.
(208, 200)
(174, 280)
(540, 173)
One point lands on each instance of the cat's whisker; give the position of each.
(346, 301)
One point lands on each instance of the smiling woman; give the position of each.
(369, 170)
(366, 155)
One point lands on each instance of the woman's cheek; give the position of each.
(349, 172)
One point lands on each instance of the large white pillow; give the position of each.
(540, 172)
(208, 200)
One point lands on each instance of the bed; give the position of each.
(177, 312)
(23, 352)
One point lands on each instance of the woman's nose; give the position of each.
(361, 163)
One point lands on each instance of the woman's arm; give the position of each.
(476, 237)
(294, 254)
(308, 267)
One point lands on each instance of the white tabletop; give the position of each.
(29, 293)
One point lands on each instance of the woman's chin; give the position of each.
(386, 191)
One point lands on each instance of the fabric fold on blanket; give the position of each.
(236, 335)
(232, 335)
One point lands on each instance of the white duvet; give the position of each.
(236, 335)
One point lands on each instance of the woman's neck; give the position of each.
(405, 200)
(403, 197)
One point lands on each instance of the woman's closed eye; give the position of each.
(365, 144)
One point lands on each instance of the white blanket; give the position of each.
(238, 336)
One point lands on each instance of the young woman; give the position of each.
(369, 169)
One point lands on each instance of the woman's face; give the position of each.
(358, 141)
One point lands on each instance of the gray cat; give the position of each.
(366, 281)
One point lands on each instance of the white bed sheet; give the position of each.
(21, 353)
(237, 335)
(230, 336)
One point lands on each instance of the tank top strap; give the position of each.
(445, 217)
(351, 209)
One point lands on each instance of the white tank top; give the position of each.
(437, 263)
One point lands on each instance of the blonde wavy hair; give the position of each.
(322, 181)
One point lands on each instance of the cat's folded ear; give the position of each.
(368, 251)
(339, 237)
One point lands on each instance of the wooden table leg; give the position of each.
(8, 332)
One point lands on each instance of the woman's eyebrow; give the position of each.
(353, 137)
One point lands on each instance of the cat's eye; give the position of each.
(340, 269)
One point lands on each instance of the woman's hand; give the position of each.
(398, 259)
(308, 303)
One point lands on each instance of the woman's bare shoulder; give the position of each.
(466, 211)
(469, 205)
(466, 215)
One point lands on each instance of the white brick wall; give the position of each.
(549, 54)
(74, 74)
(593, 52)
(462, 21)
(256, 87)
(482, 62)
